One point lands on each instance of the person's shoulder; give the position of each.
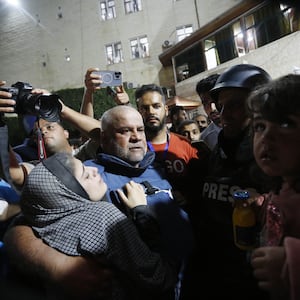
(182, 145)
(88, 150)
(93, 163)
(179, 138)
(211, 128)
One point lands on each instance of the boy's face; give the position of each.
(276, 146)
(191, 131)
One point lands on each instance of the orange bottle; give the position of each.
(244, 221)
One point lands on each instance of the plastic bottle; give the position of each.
(244, 221)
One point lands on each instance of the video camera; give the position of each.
(46, 107)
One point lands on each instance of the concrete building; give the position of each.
(263, 33)
(51, 44)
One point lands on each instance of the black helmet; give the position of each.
(240, 76)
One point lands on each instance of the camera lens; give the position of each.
(48, 107)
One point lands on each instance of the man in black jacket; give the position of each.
(226, 272)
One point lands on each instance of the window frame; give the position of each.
(139, 48)
(114, 53)
(132, 6)
(107, 9)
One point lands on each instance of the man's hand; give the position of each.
(121, 98)
(135, 194)
(40, 91)
(83, 278)
(6, 103)
(92, 81)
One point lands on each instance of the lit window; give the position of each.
(132, 6)
(139, 47)
(107, 9)
(239, 38)
(211, 53)
(183, 31)
(244, 35)
(114, 53)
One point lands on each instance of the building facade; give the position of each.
(264, 33)
(51, 44)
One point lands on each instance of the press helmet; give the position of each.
(244, 76)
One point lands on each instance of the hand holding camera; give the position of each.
(92, 80)
(96, 79)
(111, 80)
(26, 100)
(6, 102)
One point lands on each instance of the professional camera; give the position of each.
(110, 78)
(46, 107)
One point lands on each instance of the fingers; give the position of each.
(6, 103)
(267, 263)
(259, 270)
(92, 80)
(135, 194)
(40, 91)
(258, 252)
(256, 199)
(120, 89)
(121, 96)
(122, 195)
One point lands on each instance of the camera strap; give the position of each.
(41, 146)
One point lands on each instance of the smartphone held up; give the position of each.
(110, 78)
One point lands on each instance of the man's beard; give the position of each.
(151, 129)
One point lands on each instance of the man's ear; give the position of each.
(67, 134)
(167, 110)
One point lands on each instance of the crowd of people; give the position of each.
(142, 210)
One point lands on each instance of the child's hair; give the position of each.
(276, 99)
(185, 123)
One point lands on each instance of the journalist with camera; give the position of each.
(47, 107)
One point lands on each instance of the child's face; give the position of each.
(276, 146)
(90, 180)
(192, 132)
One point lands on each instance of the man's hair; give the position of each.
(149, 88)
(108, 116)
(175, 109)
(207, 83)
(187, 122)
(204, 114)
